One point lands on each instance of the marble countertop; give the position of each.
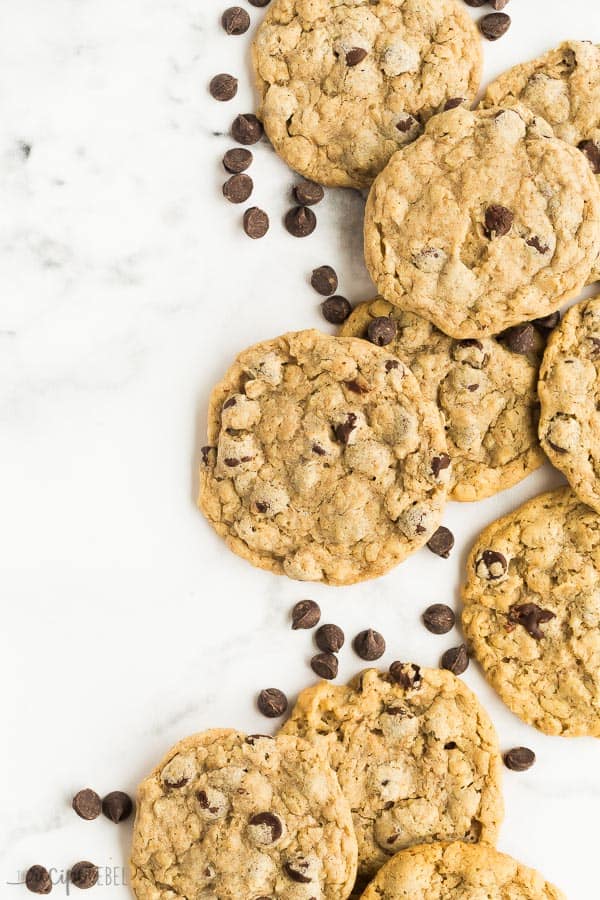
(127, 286)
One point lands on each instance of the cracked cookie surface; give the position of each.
(563, 86)
(532, 612)
(226, 816)
(458, 872)
(484, 222)
(486, 393)
(344, 83)
(325, 462)
(416, 756)
(569, 392)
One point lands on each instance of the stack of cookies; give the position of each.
(331, 458)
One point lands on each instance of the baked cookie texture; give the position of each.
(228, 816)
(569, 392)
(344, 83)
(486, 393)
(532, 612)
(325, 462)
(416, 756)
(458, 871)
(563, 86)
(484, 222)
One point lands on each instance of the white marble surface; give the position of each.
(126, 285)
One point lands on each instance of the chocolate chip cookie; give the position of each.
(415, 754)
(484, 222)
(569, 391)
(485, 389)
(325, 462)
(532, 612)
(228, 816)
(458, 872)
(343, 84)
(563, 86)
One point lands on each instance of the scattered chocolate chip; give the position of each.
(272, 703)
(87, 804)
(519, 759)
(117, 806)
(231, 462)
(537, 244)
(591, 151)
(345, 429)
(235, 20)
(451, 745)
(324, 280)
(229, 403)
(491, 565)
(547, 323)
(336, 309)
(357, 387)
(307, 193)
(494, 25)
(238, 188)
(519, 339)
(84, 875)
(37, 880)
(382, 330)
(456, 660)
(316, 448)
(305, 614)
(205, 451)
(270, 823)
(391, 364)
(405, 124)
(259, 3)
(441, 542)
(223, 87)
(355, 56)
(246, 129)
(329, 638)
(256, 222)
(439, 463)
(530, 616)
(300, 221)
(498, 221)
(407, 675)
(325, 665)
(439, 618)
(453, 103)
(369, 644)
(296, 871)
(237, 160)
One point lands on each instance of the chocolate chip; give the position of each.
(325, 665)
(530, 616)
(498, 221)
(270, 823)
(205, 451)
(246, 129)
(324, 280)
(300, 221)
(329, 638)
(369, 644)
(296, 871)
(407, 675)
(343, 431)
(439, 618)
(405, 124)
(336, 309)
(238, 188)
(519, 339)
(382, 331)
(316, 448)
(307, 193)
(494, 25)
(391, 364)
(259, 3)
(456, 660)
(441, 542)
(231, 462)
(453, 103)
(535, 242)
(491, 565)
(357, 387)
(476, 3)
(439, 463)
(37, 880)
(547, 323)
(591, 151)
(519, 759)
(235, 20)
(256, 222)
(237, 160)
(87, 804)
(117, 806)
(355, 56)
(84, 875)
(272, 703)
(305, 614)
(223, 87)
